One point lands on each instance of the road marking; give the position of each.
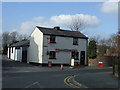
(35, 83)
(68, 82)
(68, 79)
(65, 80)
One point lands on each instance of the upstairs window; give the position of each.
(75, 41)
(75, 55)
(52, 39)
(52, 55)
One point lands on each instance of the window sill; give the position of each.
(52, 42)
(75, 58)
(75, 44)
(52, 58)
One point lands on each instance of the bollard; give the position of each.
(100, 64)
(49, 64)
(61, 67)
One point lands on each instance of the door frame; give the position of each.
(82, 62)
(24, 53)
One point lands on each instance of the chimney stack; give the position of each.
(57, 28)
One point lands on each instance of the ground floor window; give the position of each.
(52, 55)
(75, 55)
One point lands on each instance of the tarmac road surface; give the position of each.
(22, 75)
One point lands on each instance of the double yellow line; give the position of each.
(68, 79)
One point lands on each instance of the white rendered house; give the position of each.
(58, 46)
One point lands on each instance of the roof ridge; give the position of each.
(58, 30)
(43, 27)
(61, 32)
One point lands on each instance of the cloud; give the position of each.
(110, 7)
(28, 26)
(90, 21)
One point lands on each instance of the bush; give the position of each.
(92, 49)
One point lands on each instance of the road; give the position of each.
(22, 75)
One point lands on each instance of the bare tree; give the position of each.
(116, 43)
(5, 38)
(22, 37)
(5, 41)
(111, 44)
(76, 23)
(10, 38)
(13, 36)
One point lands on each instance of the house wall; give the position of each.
(28, 56)
(12, 53)
(18, 54)
(36, 46)
(8, 52)
(62, 43)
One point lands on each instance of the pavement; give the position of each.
(93, 79)
(9, 65)
(102, 80)
(23, 75)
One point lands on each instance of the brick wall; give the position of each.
(107, 61)
(92, 62)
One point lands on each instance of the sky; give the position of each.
(101, 18)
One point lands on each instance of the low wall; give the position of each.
(113, 61)
(107, 61)
(92, 62)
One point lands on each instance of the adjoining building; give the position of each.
(57, 46)
(19, 51)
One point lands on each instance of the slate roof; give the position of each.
(20, 44)
(60, 32)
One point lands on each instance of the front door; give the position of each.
(24, 54)
(82, 58)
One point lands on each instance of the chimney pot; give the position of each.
(57, 28)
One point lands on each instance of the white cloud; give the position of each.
(110, 7)
(28, 26)
(62, 19)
